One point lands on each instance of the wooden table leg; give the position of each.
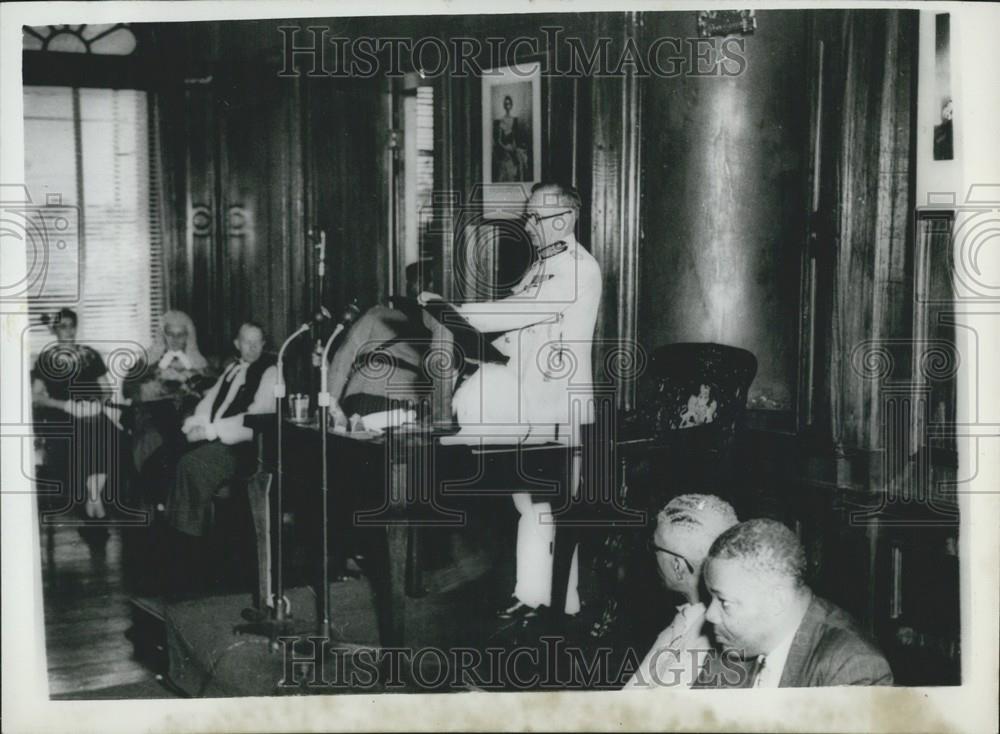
(397, 536)
(396, 547)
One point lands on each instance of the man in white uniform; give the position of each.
(545, 391)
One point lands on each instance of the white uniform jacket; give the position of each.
(547, 327)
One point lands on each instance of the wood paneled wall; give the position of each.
(259, 164)
(615, 179)
(347, 190)
(871, 200)
(242, 253)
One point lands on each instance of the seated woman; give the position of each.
(69, 385)
(162, 388)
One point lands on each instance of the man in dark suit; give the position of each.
(221, 444)
(771, 630)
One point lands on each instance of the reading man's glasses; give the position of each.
(536, 217)
(659, 549)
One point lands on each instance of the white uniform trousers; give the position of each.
(536, 534)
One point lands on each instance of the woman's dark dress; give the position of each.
(76, 448)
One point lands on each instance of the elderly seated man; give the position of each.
(221, 444)
(685, 529)
(161, 388)
(772, 630)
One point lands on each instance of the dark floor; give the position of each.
(87, 616)
(102, 643)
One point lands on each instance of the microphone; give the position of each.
(350, 314)
(279, 386)
(348, 317)
(318, 318)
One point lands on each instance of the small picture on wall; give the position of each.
(512, 133)
(512, 145)
(943, 130)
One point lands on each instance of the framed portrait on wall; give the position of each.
(943, 127)
(512, 136)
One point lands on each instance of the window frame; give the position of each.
(152, 210)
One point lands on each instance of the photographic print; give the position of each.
(437, 370)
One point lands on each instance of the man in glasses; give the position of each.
(546, 328)
(685, 530)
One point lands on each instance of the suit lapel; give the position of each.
(803, 644)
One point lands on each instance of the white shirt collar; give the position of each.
(774, 663)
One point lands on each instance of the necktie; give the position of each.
(227, 384)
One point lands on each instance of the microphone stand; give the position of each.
(272, 626)
(280, 600)
(320, 251)
(323, 400)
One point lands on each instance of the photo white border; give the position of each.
(971, 707)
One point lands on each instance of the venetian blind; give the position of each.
(93, 181)
(425, 153)
(418, 169)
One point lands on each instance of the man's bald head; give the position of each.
(685, 529)
(690, 523)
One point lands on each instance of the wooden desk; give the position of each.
(425, 483)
